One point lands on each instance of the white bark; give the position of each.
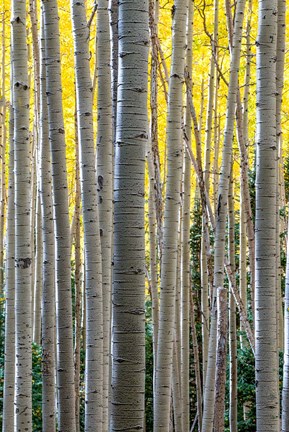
(48, 265)
(185, 267)
(94, 379)
(128, 356)
(9, 350)
(171, 217)
(266, 358)
(22, 160)
(105, 180)
(65, 370)
(219, 255)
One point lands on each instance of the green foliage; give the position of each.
(37, 387)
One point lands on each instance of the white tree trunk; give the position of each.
(162, 397)
(48, 265)
(9, 350)
(266, 358)
(185, 267)
(65, 370)
(221, 214)
(128, 357)
(22, 158)
(94, 379)
(104, 181)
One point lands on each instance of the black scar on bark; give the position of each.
(23, 263)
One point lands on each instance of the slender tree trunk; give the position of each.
(285, 390)
(65, 370)
(113, 14)
(170, 239)
(48, 266)
(77, 278)
(8, 420)
(153, 22)
(105, 180)
(196, 364)
(153, 255)
(233, 414)
(219, 255)
(22, 158)
(221, 359)
(94, 379)
(266, 359)
(281, 34)
(128, 358)
(38, 275)
(185, 267)
(3, 138)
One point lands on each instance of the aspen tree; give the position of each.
(196, 363)
(219, 254)
(245, 216)
(233, 411)
(22, 163)
(186, 273)
(281, 30)
(113, 18)
(207, 165)
(104, 180)
(9, 349)
(3, 139)
(38, 273)
(153, 254)
(279, 82)
(266, 357)
(94, 379)
(128, 334)
(171, 219)
(77, 278)
(153, 23)
(48, 265)
(285, 388)
(65, 372)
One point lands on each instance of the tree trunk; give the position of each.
(48, 266)
(105, 180)
(38, 275)
(77, 279)
(185, 267)
(65, 370)
(9, 350)
(219, 255)
(233, 410)
(23, 307)
(162, 395)
(128, 359)
(94, 379)
(266, 359)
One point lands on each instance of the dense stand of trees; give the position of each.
(143, 218)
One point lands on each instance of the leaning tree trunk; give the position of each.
(221, 214)
(22, 160)
(94, 379)
(104, 181)
(48, 265)
(9, 350)
(266, 358)
(128, 359)
(65, 370)
(171, 217)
